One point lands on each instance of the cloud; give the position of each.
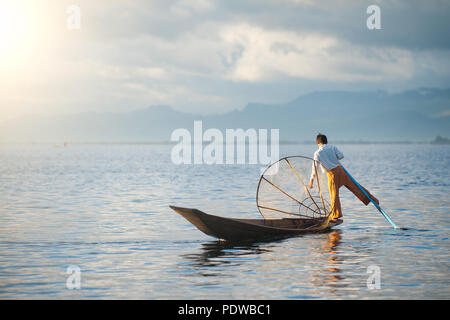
(442, 114)
(213, 56)
(187, 8)
(257, 54)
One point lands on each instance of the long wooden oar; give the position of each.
(374, 203)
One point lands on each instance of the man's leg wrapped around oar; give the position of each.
(337, 177)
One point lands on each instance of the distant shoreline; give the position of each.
(68, 143)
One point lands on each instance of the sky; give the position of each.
(208, 56)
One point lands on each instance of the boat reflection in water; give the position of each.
(220, 253)
(276, 262)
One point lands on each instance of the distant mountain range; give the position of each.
(374, 116)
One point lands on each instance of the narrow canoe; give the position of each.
(233, 229)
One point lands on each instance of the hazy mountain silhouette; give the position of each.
(416, 115)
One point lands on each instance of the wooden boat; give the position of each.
(233, 229)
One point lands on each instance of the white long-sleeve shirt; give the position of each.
(328, 156)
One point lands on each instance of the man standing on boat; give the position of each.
(328, 156)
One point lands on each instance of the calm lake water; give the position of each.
(104, 209)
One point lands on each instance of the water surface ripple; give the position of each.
(105, 209)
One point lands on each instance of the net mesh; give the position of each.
(283, 190)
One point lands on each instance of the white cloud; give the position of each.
(271, 54)
(177, 96)
(186, 8)
(122, 72)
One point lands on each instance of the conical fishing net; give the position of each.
(283, 190)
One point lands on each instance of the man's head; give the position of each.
(321, 139)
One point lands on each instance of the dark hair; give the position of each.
(321, 138)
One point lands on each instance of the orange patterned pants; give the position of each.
(337, 178)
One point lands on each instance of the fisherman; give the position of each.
(328, 156)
